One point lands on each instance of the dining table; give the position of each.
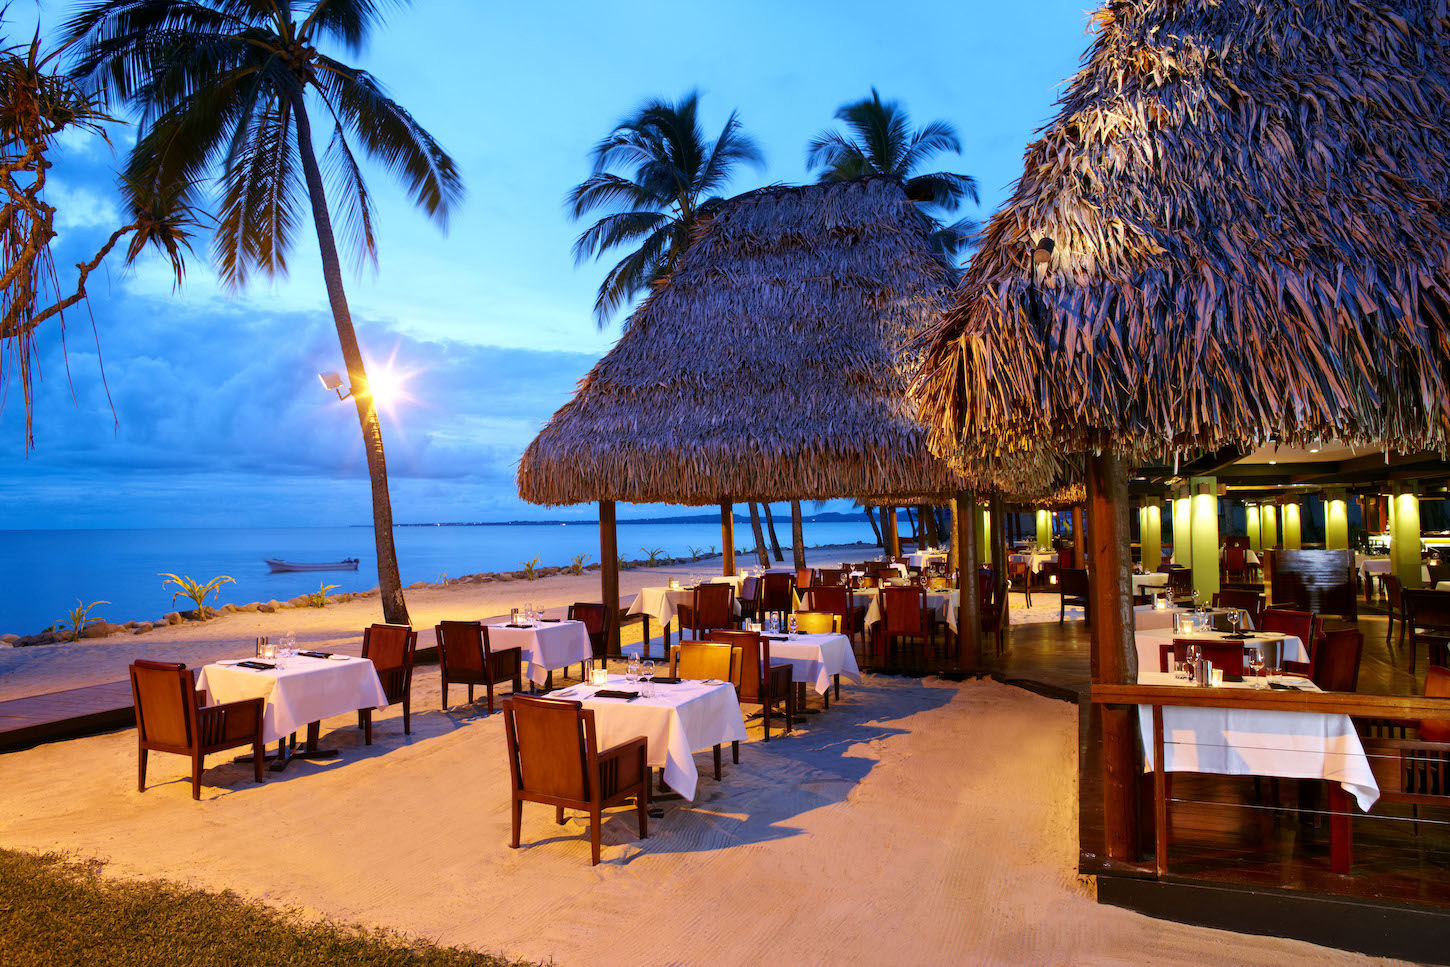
(1146, 617)
(920, 559)
(1033, 559)
(1150, 642)
(297, 692)
(1143, 583)
(679, 720)
(943, 602)
(544, 646)
(816, 659)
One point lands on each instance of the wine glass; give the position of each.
(631, 670)
(647, 671)
(791, 623)
(1234, 617)
(1256, 665)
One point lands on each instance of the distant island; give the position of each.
(828, 518)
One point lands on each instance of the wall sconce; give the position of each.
(333, 382)
(1042, 255)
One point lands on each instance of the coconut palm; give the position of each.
(880, 141)
(671, 181)
(228, 87)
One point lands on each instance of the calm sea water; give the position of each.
(43, 572)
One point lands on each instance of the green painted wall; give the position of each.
(1044, 529)
(1405, 535)
(1336, 523)
(1291, 526)
(1204, 537)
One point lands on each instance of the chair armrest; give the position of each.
(230, 720)
(623, 765)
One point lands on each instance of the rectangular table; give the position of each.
(920, 559)
(549, 646)
(817, 659)
(678, 721)
(1148, 618)
(307, 691)
(1149, 641)
(944, 603)
(1033, 560)
(1143, 582)
(1254, 742)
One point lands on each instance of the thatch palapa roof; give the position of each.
(1250, 204)
(773, 363)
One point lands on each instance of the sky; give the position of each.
(166, 406)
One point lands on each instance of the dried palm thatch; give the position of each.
(1249, 205)
(773, 363)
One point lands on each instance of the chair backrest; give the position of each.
(701, 659)
(804, 578)
(829, 597)
(165, 698)
(713, 605)
(551, 744)
(754, 653)
(1426, 609)
(776, 588)
(1336, 660)
(389, 646)
(596, 618)
(881, 569)
(994, 614)
(832, 576)
(1226, 656)
(817, 622)
(1073, 581)
(1391, 584)
(868, 581)
(903, 610)
(1064, 558)
(460, 646)
(1250, 601)
(1300, 624)
(986, 581)
(1437, 685)
(1180, 581)
(1233, 558)
(749, 593)
(1438, 572)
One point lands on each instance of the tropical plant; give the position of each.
(577, 562)
(673, 176)
(652, 557)
(77, 618)
(530, 568)
(225, 85)
(695, 552)
(879, 140)
(195, 590)
(318, 598)
(620, 563)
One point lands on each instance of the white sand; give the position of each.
(914, 823)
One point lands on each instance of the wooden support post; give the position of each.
(1114, 656)
(609, 573)
(890, 524)
(969, 609)
(727, 534)
(1079, 544)
(998, 527)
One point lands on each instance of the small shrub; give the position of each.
(77, 618)
(530, 568)
(576, 564)
(196, 591)
(652, 557)
(695, 552)
(318, 598)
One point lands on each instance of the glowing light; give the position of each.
(388, 383)
(1273, 462)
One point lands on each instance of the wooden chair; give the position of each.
(1226, 656)
(1304, 625)
(390, 648)
(595, 618)
(777, 593)
(1065, 559)
(832, 576)
(1073, 583)
(1019, 578)
(1180, 584)
(554, 758)
(757, 681)
(749, 597)
(172, 716)
(838, 601)
(904, 614)
(1235, 563)
(1335, 667)
(1249, 601)
(1391, 585)
(1427, 616)
(701, 661)
(465, 658)
(711, 605)
(1438, 572)
(805, 578)
(817, 622)
(994, 619)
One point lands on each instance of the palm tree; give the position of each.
(225, 85)
(672, 177)
(880, 141)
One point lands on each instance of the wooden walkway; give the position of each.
(28, 721)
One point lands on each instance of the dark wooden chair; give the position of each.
(805, 578)
(390, 648)
(757, 681)
(1438, 572)
(1019, 578)
(555, 759)
(1249, 601)
(994, 618)
(172, 716)
(1226, 656)
(1427, 616)
(838, 601)
(749, 597)
(831, 576)
(1065, 559)
(1235, 563)
(904, 614)
(1304, 625)
(1180, 584)
(711, 606)
(1396, 608)
(777, 593)
(595, 618)
(465, 658)
(1073, 583)
(701, 661)
(1335, 667)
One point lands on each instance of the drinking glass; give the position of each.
(631, 670)
(1256, 665)
(1234, 616)
(647, 671)
(791, 623)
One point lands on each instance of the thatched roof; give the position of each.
(773, 364)
(1249, 205)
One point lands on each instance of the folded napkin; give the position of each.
(315, 654)
(776, 637)
(665, 680)
(1238, 636)
(516, 626)
(254, 664)
(551, 619)
(615, 693)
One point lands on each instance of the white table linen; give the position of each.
(923, 558)
(1141, 582)
(1034, 560)
(663, 603)
(308, 690)
(816, 659)
(1383, 565)
(1148, 643)
(1148, 618)
(677, 722)
(1253, 742)
(1443, 586)
(942, 602)
(549, 646)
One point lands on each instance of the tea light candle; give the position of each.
(1160, 603)
(1218, 676)
(599, 676)
(1052, 578)
(269, 651)
(674, 583)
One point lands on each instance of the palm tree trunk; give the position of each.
(871, 517)
(774, 541)
(797, 536)
(390, 583)
(759, 535)
(927, 516)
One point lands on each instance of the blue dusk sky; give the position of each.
(219, 419)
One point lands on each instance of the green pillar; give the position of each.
(1203, 492)
(1151, 534)
(1405, 534)
(1291, 510)
(1182, 531)
(984, 534)
(1251, 520)
(1044, 528)
(1336, 521)
(1269, 525)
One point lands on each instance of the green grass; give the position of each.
(55, 911)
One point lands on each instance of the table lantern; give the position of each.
(1160, 603)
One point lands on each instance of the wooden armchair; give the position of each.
(838, 601)
(555, 759)
(1073, 583)
(1235, 563)
(711, 606)
(1180, 584)
(777, 593)
(757, 681)
(465, 658)
(1304, 625)
(172, 716)
(1427, 615)
(1251, 602)
(390, 648)
(904, 614)
(831, 576)
(595, 618)
(702, 661)
(805, 579)
(1226, 656)
(1335, 665)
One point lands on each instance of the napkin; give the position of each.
(615, 693)
(1238, 636)
(517, 626)
(315, 654)
(664, 680)
(254, 664)
(551, 619)
(776, 637)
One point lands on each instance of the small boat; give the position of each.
(349, 564)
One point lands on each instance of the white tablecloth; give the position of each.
(1155, 579)
(679, 720)
(549, 646)
(1383, 565)
(1034, 560)
(1149, 641)
(944, 603)
(309, 690)
(1147, 618)
(923, 558)
(1443, 586)
(1250, 742)
(816, 658)
(662, 604)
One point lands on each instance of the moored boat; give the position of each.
(348, 564)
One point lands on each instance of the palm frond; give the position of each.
(616, 229)
(604, 189)
(631, 276)
(732, 147)
(354, 201)
(260, 201)
(347, 21)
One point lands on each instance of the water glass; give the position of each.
(631, 669)
(791, 623)
(1256, 665)
(1234, 616)
(647, 671)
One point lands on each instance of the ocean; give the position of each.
(45, 571)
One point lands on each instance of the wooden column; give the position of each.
(1079, 544)
(969, 609)
(727, 534)
(1114, 657)
(999, 542)
(609, 573)
(889, 527)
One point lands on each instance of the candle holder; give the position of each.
(1160, 603)
(268, 650)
